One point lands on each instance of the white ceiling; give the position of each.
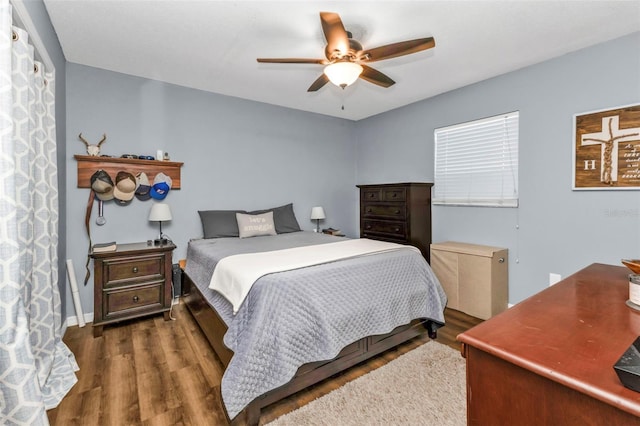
(213, 45)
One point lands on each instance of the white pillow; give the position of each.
(253, 225)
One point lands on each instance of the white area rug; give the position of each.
(423, 387)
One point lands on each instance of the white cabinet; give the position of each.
(474, 277)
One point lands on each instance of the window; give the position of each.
(476, 163)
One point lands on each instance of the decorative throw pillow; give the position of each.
(253, 225)
(283, 218)
(219, 223)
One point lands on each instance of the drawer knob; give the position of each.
(368, 227)
(368, 210)
(394, 195)
(501, 260)
(397, 229)
(135, 299)
(135, 269)
(397, 211)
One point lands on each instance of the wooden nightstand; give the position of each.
(130, 282)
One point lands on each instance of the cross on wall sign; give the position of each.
(607, 149)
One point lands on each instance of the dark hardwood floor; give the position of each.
(155, 372)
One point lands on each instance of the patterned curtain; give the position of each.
(36, 368)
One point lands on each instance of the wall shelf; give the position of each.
(88, 165)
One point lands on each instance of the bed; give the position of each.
(300, 326)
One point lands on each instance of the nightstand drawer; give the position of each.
(125, 271)
(384, 211)
(123, 302)
(392, 228)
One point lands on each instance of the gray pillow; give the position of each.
(219, 223)
(254, 225)
(283, 217)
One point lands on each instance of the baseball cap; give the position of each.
(102, 185)
(161, 186)
(142, 193)
(125, 187)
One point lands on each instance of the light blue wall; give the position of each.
(555, 229)
(237, 154)
(242, 154)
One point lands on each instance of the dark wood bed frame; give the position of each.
(214, 329)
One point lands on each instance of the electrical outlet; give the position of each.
(554, 278)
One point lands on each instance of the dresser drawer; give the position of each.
(395, 229)
(383, 194)
(130, 300)
(390, 211)
(385, 237)
(371, 194)
(125, 271)
(394, 194)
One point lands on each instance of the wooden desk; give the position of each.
(549, 360)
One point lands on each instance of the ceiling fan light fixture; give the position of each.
(344, 55)
(343, 73)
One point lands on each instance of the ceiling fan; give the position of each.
(345, 57)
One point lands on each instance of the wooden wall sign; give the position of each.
(607, 149)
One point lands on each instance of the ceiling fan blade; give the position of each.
(292, 61)
(335, 33)
(321, 81)
(396, 49)
(375, 77)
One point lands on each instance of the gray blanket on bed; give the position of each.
(309, 314)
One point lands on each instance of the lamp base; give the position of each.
(160, 242)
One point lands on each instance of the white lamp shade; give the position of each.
(317, 213)
(160, 212)
(343, 73)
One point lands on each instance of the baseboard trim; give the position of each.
(73, 320)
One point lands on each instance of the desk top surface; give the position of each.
(572, 333)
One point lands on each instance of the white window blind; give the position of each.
(476, 163)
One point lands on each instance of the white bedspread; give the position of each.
(234, 275)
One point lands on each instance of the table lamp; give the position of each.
(160, 212)
(317, 213)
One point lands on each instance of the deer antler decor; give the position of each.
(93, 150)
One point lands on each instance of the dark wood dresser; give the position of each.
(132, 281)
(397, 212)
(549, 359)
